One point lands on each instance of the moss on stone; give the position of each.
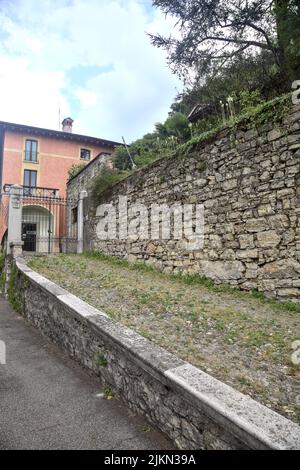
(13, 293)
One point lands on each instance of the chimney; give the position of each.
(67, 125)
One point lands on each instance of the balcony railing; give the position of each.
(34, 191)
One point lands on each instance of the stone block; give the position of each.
(256, 225)
(278, 221)
(293, 139)
(247, 254)
(230, 184)
(275, 134)
(246, 241)
(292, 292)
(201, 182)
(251, 274)
(265, 209)
(268, 239)
(222, 270)
(215, 241)
(228, 254)
(281, 269)
(151, 248)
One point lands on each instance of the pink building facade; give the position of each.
(41, 158)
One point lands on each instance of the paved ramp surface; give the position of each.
(47, 401)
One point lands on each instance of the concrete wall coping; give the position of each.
(254, 424)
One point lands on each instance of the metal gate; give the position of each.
(49, 222)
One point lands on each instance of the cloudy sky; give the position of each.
(91, 58)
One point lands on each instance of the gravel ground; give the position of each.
(239, 338)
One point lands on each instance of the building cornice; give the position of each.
(22, 128)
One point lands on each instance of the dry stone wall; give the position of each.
(248, 182)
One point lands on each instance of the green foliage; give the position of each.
(260, 53)
(248, 80)
(255, 61)
(158, 144)
(13, 294)
(75, 169)
(215, 32)
(149, 148)
(166, 141)
(285, 305)
(2, 271)
(238, 74)
(177, 126)
(2, 281)
(271, 111)
(116, 261)
(143, 152)
(195, 280)
(121, 158)
(195, 141)
(249, 100)
(2, 261)
(287, 13)
(101, 360)
(297, 412)
(205, 125)
(108, 393)
(103, 183)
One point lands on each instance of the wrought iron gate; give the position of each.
(49, 222)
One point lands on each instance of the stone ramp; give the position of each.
(47, 401)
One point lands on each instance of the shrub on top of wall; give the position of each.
(272, 111)
(102, 183)
(75, 169)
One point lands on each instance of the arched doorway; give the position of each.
(37, 229)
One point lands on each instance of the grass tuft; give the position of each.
(196, 279)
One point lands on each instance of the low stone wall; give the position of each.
(248, 181)
(195, 410)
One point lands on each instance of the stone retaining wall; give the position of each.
(195, 410)
(248, 182)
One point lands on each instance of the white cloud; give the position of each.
(87, 98)
(30, 97)
(39, 54)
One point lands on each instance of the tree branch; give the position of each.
(236, 41)
(262, 31)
